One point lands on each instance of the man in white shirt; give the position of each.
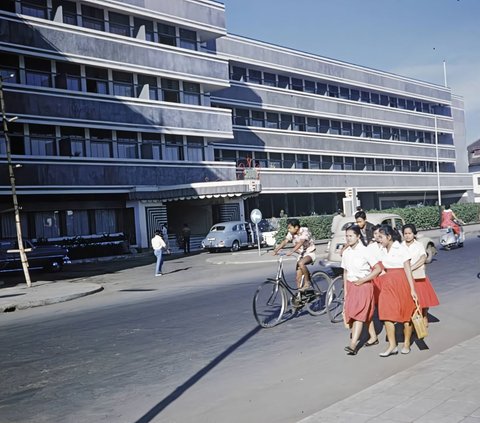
(158, 244)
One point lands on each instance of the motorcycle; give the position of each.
(450, 240)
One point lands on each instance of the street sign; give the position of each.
(256, 216)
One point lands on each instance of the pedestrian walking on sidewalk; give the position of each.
(158, 245)
(397, 293)
(426, 294)
(360, 267)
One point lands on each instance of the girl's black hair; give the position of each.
(355, 229)
(375, 227)
(293, 222)
(410, 226)
(389, 231)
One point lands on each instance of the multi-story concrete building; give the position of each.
(131, 113)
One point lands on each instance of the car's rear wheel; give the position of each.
(54, 266)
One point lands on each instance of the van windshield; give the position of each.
(217, 228)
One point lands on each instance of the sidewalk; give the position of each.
(44, 293)
(444, 388)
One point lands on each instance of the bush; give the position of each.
(429, 217)
(319, 226)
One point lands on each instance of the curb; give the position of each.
(9, 307)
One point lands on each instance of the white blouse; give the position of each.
(396, 257)
(417, 250)
(375, 249)
(358, 262)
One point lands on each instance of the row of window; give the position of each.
(86, 16)
(73, 77)
(272, 120)
(254, 76)
(265, 159)
(53, 224)
(46, 140)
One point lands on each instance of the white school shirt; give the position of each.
(417, 250)
(374, 248)
(396, 257)
(358, 262)
(158, 242)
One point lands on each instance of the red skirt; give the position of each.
(359, 304)
(426, 294)
(395, 303)
(376, 285)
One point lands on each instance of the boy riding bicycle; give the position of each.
(303, 245)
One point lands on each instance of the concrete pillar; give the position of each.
(58, 14)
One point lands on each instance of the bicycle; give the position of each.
(335, 299)
(275, 297)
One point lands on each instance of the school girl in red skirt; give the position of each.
(359, 269)
(397, 295)
(426, 294)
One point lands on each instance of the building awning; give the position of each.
(197, 191)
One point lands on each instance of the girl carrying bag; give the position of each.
(419, 323)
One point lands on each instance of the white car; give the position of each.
(229, 236)
(337, 241)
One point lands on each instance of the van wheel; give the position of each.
(430, 253)
(235, 246)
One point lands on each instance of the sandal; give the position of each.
(371, 344)
(350, 351)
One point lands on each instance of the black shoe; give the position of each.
(371, 344)
(350, 351)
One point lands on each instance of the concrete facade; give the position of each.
(132, 113)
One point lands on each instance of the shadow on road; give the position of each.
(157, 409)
(83, 270)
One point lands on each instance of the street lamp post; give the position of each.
(16, 210)
(439, 192)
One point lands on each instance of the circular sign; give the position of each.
(256, 216)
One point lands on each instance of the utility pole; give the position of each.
(16, 210)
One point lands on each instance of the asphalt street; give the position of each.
(185, 348)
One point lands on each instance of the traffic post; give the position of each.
(256, 217)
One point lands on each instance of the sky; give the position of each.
(406, 37)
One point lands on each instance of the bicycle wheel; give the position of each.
(335, 297)
(320, 283)
(269, 304)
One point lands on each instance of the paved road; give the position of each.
(185, 347)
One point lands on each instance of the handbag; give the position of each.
(419, 323)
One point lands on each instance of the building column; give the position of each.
(149, 215)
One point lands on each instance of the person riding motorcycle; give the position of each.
(450, 220)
